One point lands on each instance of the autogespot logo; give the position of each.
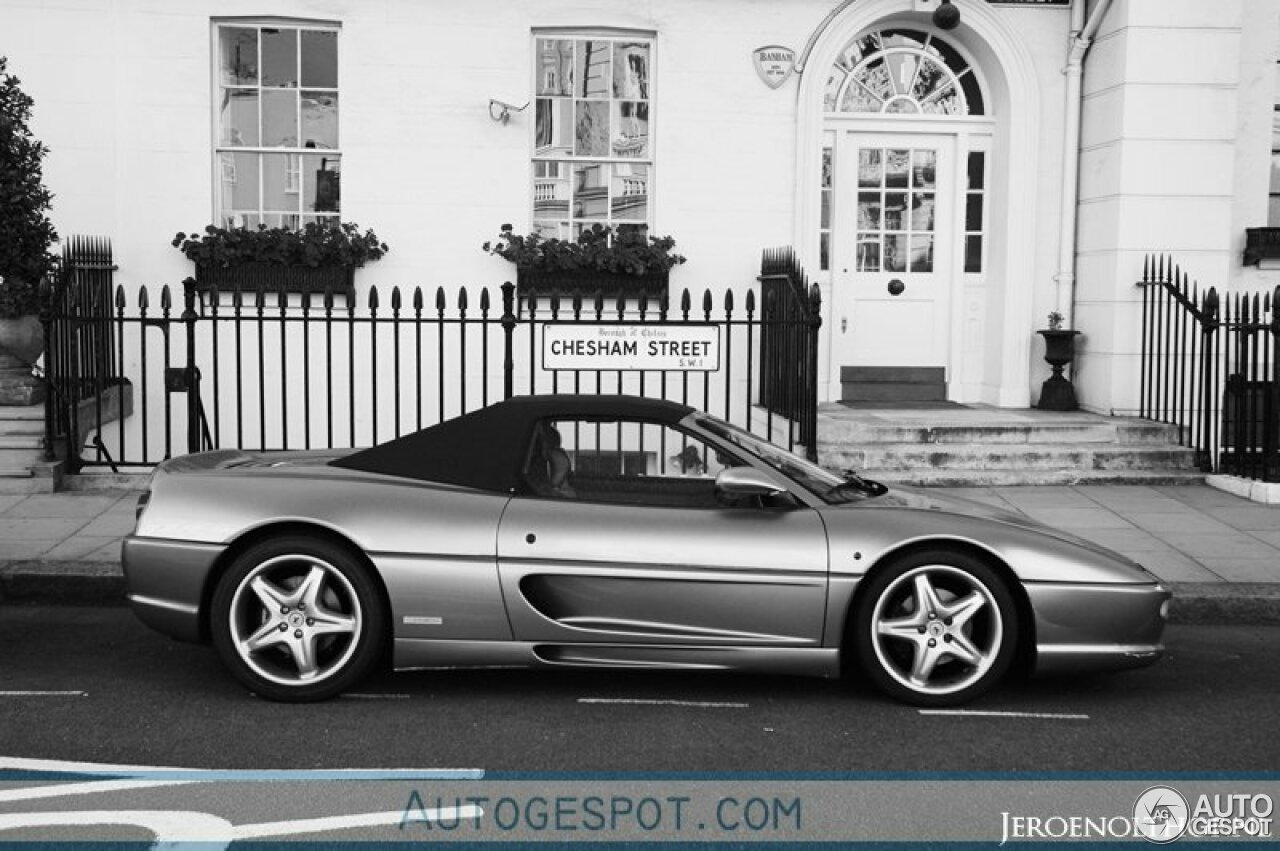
(1160, 814)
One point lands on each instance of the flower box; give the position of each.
(541, 284)
(275, 278)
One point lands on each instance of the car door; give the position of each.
(640, 552)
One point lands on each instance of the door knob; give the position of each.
(896, 287)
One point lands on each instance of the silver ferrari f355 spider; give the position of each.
(621, 532)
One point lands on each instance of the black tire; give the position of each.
(321, 633)
(935, 628)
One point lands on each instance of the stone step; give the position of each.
(1135, 432)
(893, 384)
(24, 480)
(878, 458)
(22, 440)
(22, 412)
(1004, 478)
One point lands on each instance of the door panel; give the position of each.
(894, 246)
(593, 572)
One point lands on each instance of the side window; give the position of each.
(633, 463)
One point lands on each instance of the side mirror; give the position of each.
(747, 481)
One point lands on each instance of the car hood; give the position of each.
(921, 500)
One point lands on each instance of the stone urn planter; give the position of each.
(1057, 393)
(21, 344)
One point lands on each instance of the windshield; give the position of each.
(825, 484)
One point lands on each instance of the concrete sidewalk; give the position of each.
(1219, 552)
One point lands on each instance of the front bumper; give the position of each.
(166, 582)
(1097, 627)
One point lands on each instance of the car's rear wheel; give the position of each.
(297, 619)
(935, 628)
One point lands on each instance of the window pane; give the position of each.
(869, 211)
(973, 253)
(552, 229)
(924, 169)
(594, 69)
(591, 123)
(977, 169)
(281, 182)
(321, 183)
(922, 210)
(279, 119)
(555, 66)
(631, 71)
(280, 58)
(630, 195)
(895, 208)
(239, 56)
(922, 252)
(895, 253)
(824, 219)
(870, 168)
(973, 211)
(319, 119)
(631, 129)
(551, 192)
(320, 59)
(591, 190)
(238, 181)
(897, 167)
(868, 252)
(553, 127)
(239, 118)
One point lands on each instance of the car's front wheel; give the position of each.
(935, 628)
(297, 619)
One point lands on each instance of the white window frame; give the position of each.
(225, 170)
(538, 172)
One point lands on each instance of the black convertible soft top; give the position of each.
(486, 449)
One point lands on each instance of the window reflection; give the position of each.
(593, 114)
(905, 72)
(278, 105)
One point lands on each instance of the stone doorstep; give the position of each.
(923, 457)
(836, 432)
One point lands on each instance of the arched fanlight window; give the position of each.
(905, 72)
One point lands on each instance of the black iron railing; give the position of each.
(791, 317)
(279, 370)
(1210, 366)
(81, 358)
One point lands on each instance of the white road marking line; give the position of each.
(631, 701)
(981, 713)
(43, 693)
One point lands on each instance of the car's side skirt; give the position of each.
(802, 661)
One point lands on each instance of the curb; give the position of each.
(69, 583)
(102, 583)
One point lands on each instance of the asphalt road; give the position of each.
(94, 685)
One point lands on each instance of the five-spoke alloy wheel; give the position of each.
(935, 628)
(297, 619)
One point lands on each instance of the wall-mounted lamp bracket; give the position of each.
(500, 111)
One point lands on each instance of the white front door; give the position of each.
(894, 245)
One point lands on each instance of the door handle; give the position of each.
(896, 286)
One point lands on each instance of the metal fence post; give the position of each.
(508, 332)
(189, 317)
(1208, 324)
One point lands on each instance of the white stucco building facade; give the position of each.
(895, 155)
